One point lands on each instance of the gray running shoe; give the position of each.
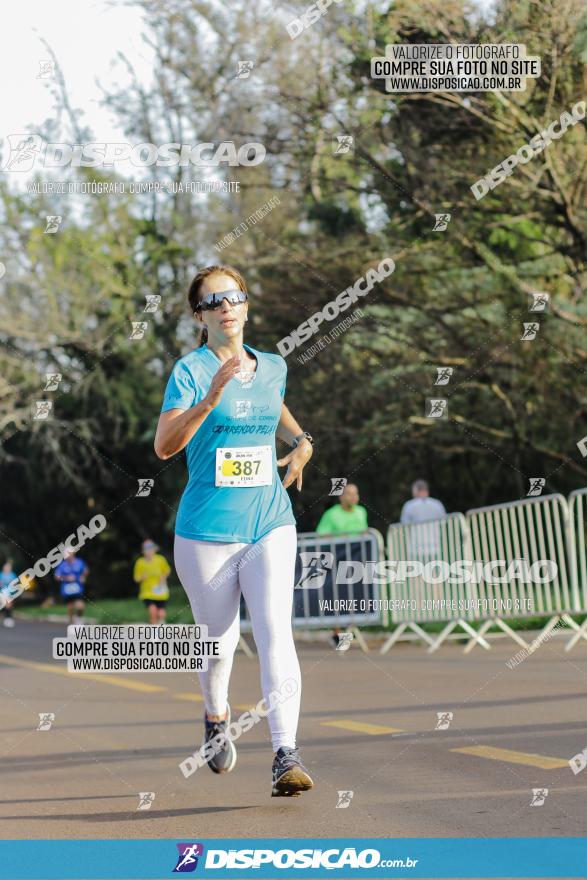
(224, 757)
(290, 777)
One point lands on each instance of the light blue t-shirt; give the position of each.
(247, 415)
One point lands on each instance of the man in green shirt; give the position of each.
(348, 517)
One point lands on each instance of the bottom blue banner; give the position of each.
(298, 857)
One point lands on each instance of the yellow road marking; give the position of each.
(128, 683)
(495, 754)
(193, 698)
(361, 727)
(246, 707)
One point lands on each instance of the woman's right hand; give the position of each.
(222, 377)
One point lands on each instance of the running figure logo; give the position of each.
(536, 486)
(188, 857)
(244, 69)
(53, 223)
(24, 149)
(539, 795)
(53, 380)
(146, 798)
(242, 409)
(538, 302)
(443, 375)
(145, 486)
(436, 408)
(344, 799)
(41, 410)
(153, 301)
(441, 222)
(46, 719)
(444, 719)
(138, 329)
(344, 642)
(47, 70)
(530, 331)
(342, 143)
(315, 567)
(338, 484)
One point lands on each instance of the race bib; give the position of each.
(71, 588)
(159, 589)
(240, 466)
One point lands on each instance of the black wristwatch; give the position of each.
(303, 436)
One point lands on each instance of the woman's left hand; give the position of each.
(296, 460)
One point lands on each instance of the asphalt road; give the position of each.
(367, 726)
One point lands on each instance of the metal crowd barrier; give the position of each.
(578, 554)
(413, 598)
(532, 529)
(322, 598)
(544, 528)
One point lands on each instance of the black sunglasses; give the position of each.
(214, 300)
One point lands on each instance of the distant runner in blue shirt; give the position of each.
(7, 575)
(71, 574)
(235, 529)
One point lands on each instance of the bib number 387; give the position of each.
(240, 466)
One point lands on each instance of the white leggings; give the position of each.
(213, 575)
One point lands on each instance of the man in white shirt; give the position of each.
(421, 507)
(424, 541)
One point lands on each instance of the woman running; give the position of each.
(224, 405)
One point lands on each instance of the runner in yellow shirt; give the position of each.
(151, 572)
